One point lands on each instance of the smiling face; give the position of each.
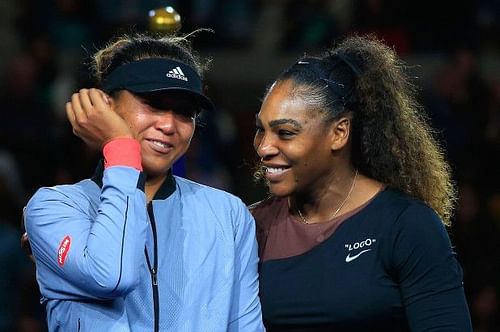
(164, 132)
(294, 143)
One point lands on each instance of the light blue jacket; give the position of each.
(108, 261)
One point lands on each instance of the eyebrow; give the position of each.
(275, 123)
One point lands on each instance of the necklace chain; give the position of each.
(304, 220)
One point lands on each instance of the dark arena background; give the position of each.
(453, 48)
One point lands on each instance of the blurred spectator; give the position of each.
(485, 310)
(69, 25)
(441, 26)
(8, 33)
(457, 103)
(214, 150)
(492, 131)
(17, 277)
(490, 157)
(385, 19)
(488, 18)
(25, 119)
(112, 17)
(475, 235)
(219, 15)
(309, 25)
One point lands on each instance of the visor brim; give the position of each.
(203, 101)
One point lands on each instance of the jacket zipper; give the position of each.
(154, 269)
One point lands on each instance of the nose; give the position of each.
(265, 146)
(165, 122)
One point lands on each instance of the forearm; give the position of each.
(115, 245)
(93, 238)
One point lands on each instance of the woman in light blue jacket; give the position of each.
(135, 248)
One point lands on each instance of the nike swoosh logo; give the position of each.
(351, 258)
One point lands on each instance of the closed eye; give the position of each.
(286, 134)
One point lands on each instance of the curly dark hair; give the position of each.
(392, 141)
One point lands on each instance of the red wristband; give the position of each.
(122, 152)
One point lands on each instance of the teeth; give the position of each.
(160, 144)
(275, 169)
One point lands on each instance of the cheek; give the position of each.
(137, 122)
(305, 158)
(186, 129)
(298, 152)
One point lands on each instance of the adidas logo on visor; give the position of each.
(177, 73)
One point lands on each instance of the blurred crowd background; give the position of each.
(452, 47)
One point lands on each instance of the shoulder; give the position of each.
(410, 215)
(268, 211)
(413, 209)
(209, 200)
(190, 187)
(396, 199)
(64, 191)
(77, 195)
(211, 206)
(265, 205)
(49, 208)
(403, 206)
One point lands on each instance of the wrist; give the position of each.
(122, 152)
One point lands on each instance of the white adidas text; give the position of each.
(177, 73)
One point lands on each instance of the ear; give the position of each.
(340, 132)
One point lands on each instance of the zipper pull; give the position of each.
(155, 279)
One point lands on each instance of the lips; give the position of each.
(275, 170)
(160, 146)
(274, 173)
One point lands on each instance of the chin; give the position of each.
(156, 166)
(279, 191)
(154, 172)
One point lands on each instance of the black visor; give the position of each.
(155, 75)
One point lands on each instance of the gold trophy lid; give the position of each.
(164, 20)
